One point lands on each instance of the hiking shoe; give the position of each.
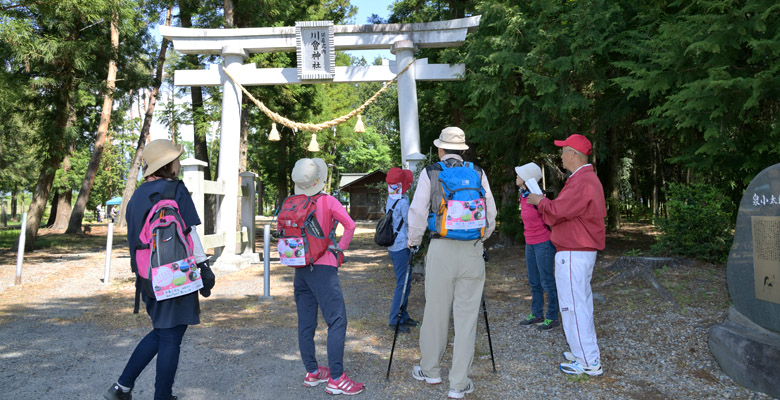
(459, 394)
(569, 356)
(548, 324)
(321, 376)
(411, 323)
(575, 368)
(344, 386)
(418, 374)
(401, 328)
(531, 320)
(116, 393)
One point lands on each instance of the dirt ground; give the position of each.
(66, 334)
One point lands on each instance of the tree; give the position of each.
(132, 176)
(77, 214)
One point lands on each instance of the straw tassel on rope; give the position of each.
(359, 127)
(274, 135)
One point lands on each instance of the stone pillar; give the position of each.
(193, 175)
(404, 51)
(248, 214)
(229, 146)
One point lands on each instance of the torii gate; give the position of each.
(235, 45)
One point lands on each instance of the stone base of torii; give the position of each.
(235, 45)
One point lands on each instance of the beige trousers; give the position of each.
(454, 279)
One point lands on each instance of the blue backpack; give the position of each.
(458, 209)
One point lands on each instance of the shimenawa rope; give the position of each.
(324, 125)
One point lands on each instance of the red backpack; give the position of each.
(301, 239)
(165, 264)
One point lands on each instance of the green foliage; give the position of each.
(700, 223)
(633, 253)
(509, 221)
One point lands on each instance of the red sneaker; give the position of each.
(322, 376)
(344, 386)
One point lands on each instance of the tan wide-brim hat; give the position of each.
(451, 138)
(309, 175)
(528, 171)
(158, 153)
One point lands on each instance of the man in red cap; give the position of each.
(398, 182)
(577, 220)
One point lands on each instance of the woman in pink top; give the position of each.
(318, 286)
(539, 255)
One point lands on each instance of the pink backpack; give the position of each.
(165, 264)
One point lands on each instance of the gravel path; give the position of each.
(65, 335)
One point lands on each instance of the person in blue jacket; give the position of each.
(399, 181)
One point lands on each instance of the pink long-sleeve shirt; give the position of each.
(534, 229)
(329, 209)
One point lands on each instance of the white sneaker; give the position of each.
(575, 368)
(459, 394)
(420, 376)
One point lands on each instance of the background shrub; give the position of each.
(700, 223)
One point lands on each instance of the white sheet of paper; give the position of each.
(533, 186)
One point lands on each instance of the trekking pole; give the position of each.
(487, 327)
(401, 308)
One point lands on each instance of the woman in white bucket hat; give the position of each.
(539, 254)
(320, 287)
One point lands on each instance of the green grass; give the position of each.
(59, 241)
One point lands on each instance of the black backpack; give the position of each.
(385, 234)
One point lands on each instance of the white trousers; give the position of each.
(573, 272)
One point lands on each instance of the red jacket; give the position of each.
(577, 214)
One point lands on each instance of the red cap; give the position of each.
(402, 176)
(576, 142)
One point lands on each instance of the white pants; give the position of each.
(573, 271)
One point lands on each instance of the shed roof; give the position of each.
(348, 179)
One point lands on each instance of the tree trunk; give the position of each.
(132, 176)
(38, 205)
(508, 197)
(53, 212)
(64, 207)
(228, 13)
(76, 216)
(613, 181)
(14, 211)
(242, 150)
(63, 210)
(64, 120)
(199, 123)
(655, 180)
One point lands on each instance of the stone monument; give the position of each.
(747, 343)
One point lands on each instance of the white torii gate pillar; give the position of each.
(409, 121)
(229, 147)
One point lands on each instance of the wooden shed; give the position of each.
(366, 201)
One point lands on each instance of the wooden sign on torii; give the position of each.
(235, 45)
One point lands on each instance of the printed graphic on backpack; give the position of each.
(463, 215)
(176, 279)
(291, 252)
